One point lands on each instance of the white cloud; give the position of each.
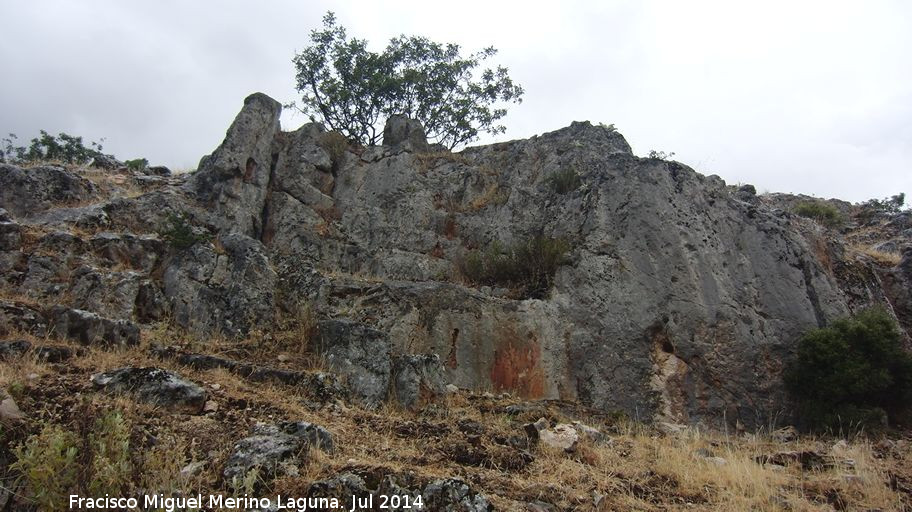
(812, 97)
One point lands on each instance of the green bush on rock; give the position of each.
(853, 373)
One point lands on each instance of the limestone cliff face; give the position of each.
(682, 298)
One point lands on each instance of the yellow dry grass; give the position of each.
(635, 469)
(890, 259)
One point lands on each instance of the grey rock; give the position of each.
(20, 317)
(400, 132)
(898, 287)
(233, 181)
(344, 485)
(155, 386)
(10, 236)
(540, 506)
(89, 328)
(107, 162)
(360, 354)
(454, 495)
(25, 192)
(157, 170)
(746, 193)
(270, 445)
(54, 353)
(9, 410)
(227, 291)
(14, 348)
(417, 379)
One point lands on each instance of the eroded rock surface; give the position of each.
(155, 386)
(681, 298)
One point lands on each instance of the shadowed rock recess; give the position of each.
(681, 298)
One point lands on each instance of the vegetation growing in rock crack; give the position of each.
(564, 181)
(137, 164)
(821, 212)
(851, 374)
(352, 89)
(527, 267)
(63, 148)
(336, 145)
(179, 234)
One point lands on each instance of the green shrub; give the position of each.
(526, 267)
(109, 443)
(892, 204)
(564, 181)
(47, 463)
(137, 164)
(821, 212)
(64, 147)
(179, 233)
(853, 373)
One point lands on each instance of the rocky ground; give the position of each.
(295, 316)
(212, 429)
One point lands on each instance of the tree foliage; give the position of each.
(352, 89)
(64, 148)
(892, 204)
(854, 372)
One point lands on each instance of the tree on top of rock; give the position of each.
(352, 89)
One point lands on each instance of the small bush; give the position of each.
(47, 463)
(179, 233)
(137, 164)
(336, 145)
(564, 181)
(527, 267)
(109, 443)
(853, 373)
(821, 212)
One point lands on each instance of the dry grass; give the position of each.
(636, 469)
(890, 259)
(492, 195)
(428, 161)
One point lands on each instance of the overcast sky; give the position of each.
(792, 96)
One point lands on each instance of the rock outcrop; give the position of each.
(680, 297)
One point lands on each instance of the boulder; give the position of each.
(14, 348)
(417, 379)
(360, 354)
(154, 386)
(453, 495)
(106, 162)
(16, 316)
(270, 445)
(9, 410)
(24, 192)
(400, 132)
(89, 328)
(10, 235)
(562, 436)
(228, 290)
